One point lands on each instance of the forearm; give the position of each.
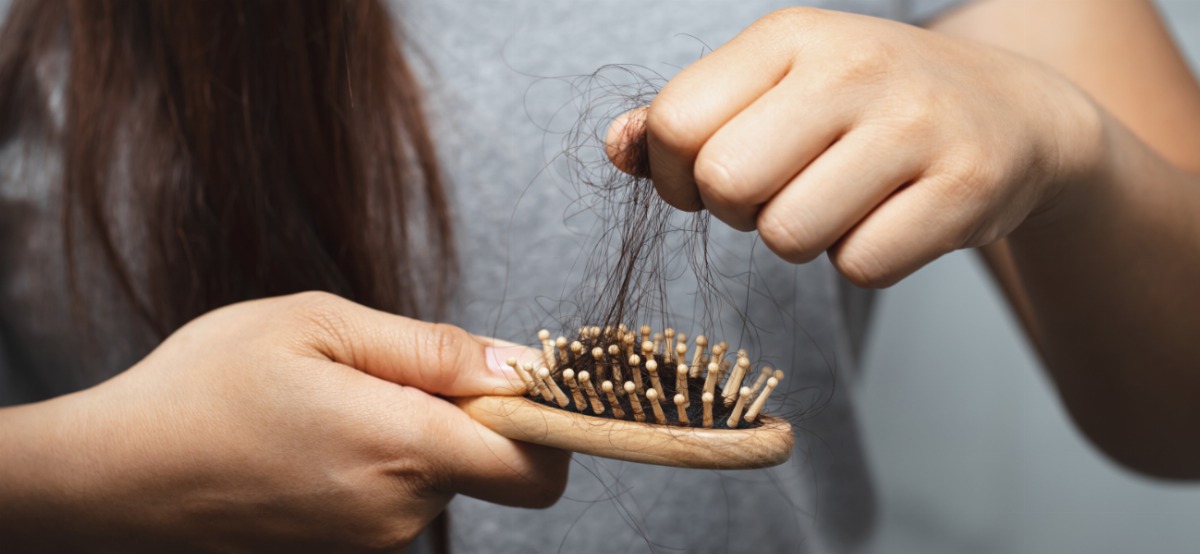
(42, 483)
(1112, 272)
(74, 475)
(1105, 280)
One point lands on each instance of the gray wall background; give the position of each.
(970, 447)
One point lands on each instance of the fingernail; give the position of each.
(497, 359)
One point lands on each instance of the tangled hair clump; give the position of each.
(642, 243)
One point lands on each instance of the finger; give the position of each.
(910, 229)
(436, 358)
(625, 143)
(699, 100)
(757, 152)
(835, 192)
(473, 460)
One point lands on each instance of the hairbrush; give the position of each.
(656, 400)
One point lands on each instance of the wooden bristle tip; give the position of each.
(698, 356)
(560, 344)
(598, 356)
(735, 417)
(635, 363)
(681, 407)
(659, 416)
(710, 378)
(668, 347)
(576, 394)
(634, 401)
(607, 387)
(734, 383)
(652, 369)
(543, 390)
(762, 380)
(707, 399)
(560, 397)
(593, 398)
(761, 400)
(547, 347)
(530, 385)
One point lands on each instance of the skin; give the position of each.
(1064, 144)
(298, 423)
(310, 422)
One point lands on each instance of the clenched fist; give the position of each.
(884, 144)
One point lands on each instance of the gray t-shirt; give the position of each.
(502, 96)
(498, 81)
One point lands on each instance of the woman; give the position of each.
(214, 154)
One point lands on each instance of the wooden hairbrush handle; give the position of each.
(522, 419)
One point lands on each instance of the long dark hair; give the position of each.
(262, 148)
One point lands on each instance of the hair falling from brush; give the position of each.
(619, 365)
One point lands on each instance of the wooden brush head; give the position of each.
(616, 394)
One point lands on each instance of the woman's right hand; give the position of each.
(302, 421)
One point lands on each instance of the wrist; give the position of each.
(1081, 167)
(39, 488)
(57, 488)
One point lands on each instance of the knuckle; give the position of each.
(312, 305)
(860, 262)
(319, 316)
(858, 69)
(446, 351)
(967, 178)
(425, 483)
(868, 59)
(715, 180)
(787, 238)
(672, 124)
(911, 115)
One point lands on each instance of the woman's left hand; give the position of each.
(884, 144)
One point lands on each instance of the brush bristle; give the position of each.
(608, 372)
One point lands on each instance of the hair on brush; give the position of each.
(631, 392)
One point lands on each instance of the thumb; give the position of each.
(434, 357)
(625, 143)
